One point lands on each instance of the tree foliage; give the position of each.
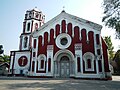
(5, 58)
(110, 46)
(1, 49)
(112, 15)
(117, 60)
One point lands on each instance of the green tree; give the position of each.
(112, 15)
(5, 58)
(110, 46)
(1, 49)
(117, 60)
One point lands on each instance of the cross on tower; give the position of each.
(23, 59)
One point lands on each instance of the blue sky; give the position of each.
(12, 16)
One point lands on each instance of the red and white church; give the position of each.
(66, 46)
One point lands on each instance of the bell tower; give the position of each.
(33, 20)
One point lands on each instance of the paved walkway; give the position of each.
(58, 84)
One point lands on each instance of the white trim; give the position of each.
(50, 55)
(89, 76)
(48, 37)
(78, 53)
(80, 34)
(43, 40)
(28, 21)
(95, 46)
(23, 40)
(102, 57)
(11, 61)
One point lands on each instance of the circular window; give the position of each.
(64, 41)
(22, 61)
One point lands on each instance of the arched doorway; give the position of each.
(64, 64)
(64, 67)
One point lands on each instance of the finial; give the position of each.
(63, 9)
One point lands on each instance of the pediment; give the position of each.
(69, 18)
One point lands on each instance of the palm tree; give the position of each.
(5, 58)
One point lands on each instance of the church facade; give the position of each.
(66, 46)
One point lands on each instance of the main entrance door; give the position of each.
(64, 67)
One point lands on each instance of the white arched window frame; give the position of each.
(41, 62)
(88, 58)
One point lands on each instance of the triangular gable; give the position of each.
(65, 15)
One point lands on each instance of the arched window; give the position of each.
(25, 42)
(41, 62)
(78, 64)
(28, 27)
(34, 43)
(97, 39)
(33, 66)
(49, 64)
(89, 61)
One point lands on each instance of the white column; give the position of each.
(96, 58)
(97, 69)
(48, 37)
(42, 40)
(78, 53)
(75, 64)
(61, 29)
(80, 34)
(72, 32)
(87, 36)
(81, 63)
(35, 67)
(50, 55)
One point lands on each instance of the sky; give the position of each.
(12, 16)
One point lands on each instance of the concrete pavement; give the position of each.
(20, 83)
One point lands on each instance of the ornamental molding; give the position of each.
(41, 57)
(88, 55)
(50, 47)
(78, 46)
